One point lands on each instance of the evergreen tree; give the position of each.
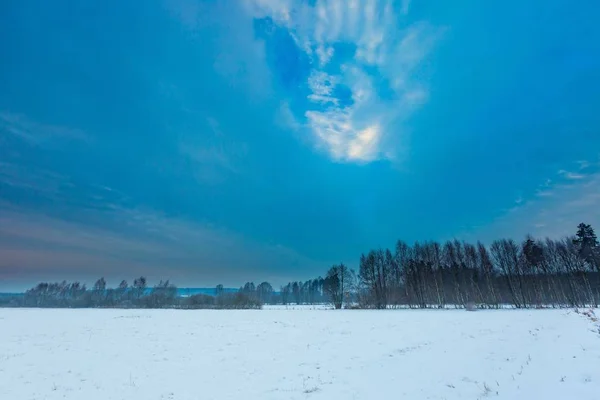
(587, 244)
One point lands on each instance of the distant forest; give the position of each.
(531, 274)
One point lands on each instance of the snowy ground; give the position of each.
(297, 354)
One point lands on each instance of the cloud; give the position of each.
(54, 227)
(544, 193)
(30, 178)
(519, 200)
(38, 134)
(129, 242)
(571, 175)
(50, 188)
(360, 86)
(324, 53)
(583, 164)
(213, 156)
(285, 117)
(321, 86)
(222, 32)
(555, 210)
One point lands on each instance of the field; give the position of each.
(297, 354)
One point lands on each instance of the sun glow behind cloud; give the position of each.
(360, 87)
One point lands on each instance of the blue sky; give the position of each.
(218, 142)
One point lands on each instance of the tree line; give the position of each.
(533, 273)
(297, 292)
(137, 295)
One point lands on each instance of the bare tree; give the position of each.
(264, 291)
(337, 283)
(487, 271)
(505, 253)
(99, 292)
(285, 293)
(374, 274)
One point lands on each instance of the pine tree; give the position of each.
(587, 244)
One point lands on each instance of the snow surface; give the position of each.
(297, 354)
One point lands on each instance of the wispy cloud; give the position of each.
(38, 134)
(544, 193)
(235, 53)
(51, 188)
(583, 164)
(212, 154)
(80, 230)
(571, 175)
(31, 178)
(557, 207)
(135, 241)
(519, 200)
(355, 98)
(285, 118)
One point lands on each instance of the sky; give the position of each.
(216, 142)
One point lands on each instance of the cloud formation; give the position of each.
(122, 243)
(360, 86)
(54, 226)
(35, 133)
(212, 155)
(556, 208)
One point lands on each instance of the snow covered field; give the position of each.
(297, 354)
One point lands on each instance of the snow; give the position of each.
(297, 353)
